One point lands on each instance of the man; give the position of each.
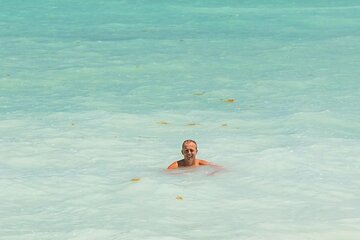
(189, 151)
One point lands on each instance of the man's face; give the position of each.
(189, 150)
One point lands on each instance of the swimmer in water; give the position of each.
(189, 151)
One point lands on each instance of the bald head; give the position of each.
(189, 141)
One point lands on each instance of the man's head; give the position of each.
(189, 149)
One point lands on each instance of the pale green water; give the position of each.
(93, 94)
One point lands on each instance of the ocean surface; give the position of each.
(96, 98)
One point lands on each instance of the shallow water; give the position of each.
(96, 94)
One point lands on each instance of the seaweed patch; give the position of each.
(178, 197)
(192, 124)
(230, 100)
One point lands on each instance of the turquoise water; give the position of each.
(94, 94)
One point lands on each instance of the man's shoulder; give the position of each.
(176, 164)
(203, 162)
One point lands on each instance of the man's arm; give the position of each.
(203, 162)
(216, 167)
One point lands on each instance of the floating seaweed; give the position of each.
(163, 122)
(135, 179)
(199, 93)
(230, 100)
(192, 124)
(178, 197)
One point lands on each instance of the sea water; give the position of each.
(96, 98)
